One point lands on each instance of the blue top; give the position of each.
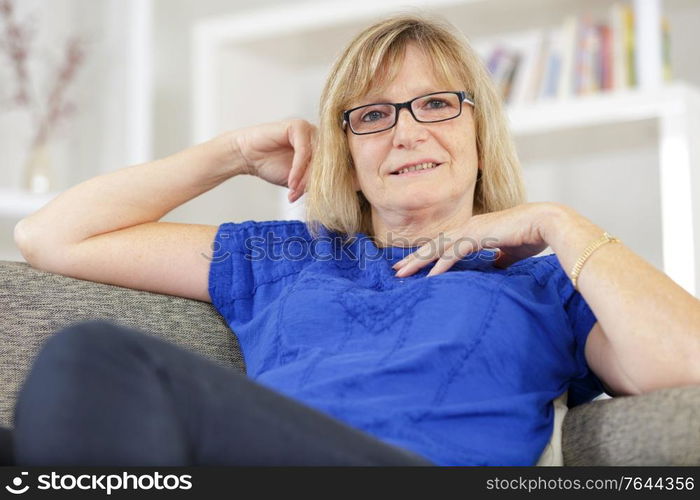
(461, 368)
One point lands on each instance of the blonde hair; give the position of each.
(370, 61)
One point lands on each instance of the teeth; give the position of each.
(422, 166)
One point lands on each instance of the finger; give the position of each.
(300, 139)
(452, 254)
(300, 188)
(313, 133)
(418, 260)
(420, 254)
(295, 194)
(443, 264)
(305, 180)
(438, 246)
(400, 264)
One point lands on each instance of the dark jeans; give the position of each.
(102, 394)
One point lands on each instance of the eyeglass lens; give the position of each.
(430, 108)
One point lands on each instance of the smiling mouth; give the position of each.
(417, 169)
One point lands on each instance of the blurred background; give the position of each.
(603, 98)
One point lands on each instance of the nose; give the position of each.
(408, 131)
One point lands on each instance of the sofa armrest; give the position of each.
(35, 304)
(657, 428)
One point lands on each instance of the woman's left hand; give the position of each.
(517, 232)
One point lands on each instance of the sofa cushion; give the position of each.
(35, 304)
(657, 428)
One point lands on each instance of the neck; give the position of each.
(416, 227)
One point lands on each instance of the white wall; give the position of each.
(608, 173)
(97, 139)
(101, 135)
(80, 145)
(173, 22)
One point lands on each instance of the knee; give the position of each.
(87, 339)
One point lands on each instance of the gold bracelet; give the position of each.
(606, 238)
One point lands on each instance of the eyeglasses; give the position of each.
(430, 108)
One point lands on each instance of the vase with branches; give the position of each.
(48, 111)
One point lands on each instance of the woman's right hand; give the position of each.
(278, 152)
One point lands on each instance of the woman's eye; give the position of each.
(372, 116)
(436, 104)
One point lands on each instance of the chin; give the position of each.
(415, 199)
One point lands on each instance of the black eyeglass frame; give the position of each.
(463, 95)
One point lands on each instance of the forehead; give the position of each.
(407, 75)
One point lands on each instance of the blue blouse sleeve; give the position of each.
(586, 385)
(251, 263)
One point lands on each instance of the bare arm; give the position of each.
(128, 196)
(648, 335)
(106, 229)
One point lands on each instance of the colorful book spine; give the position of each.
(605, 61)
(618, 56)
(666, 49)
(629, 45)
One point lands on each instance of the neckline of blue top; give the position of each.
(366, 251)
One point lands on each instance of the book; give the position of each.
(606, 55)
(666, 49)
(550, 79)
(513, 70)
(528, 46)
(540, 68)
(587, 55)
(618, 54)
(568, 44)
(648, 43)
(629, 46)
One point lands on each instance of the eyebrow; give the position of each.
(381, 98)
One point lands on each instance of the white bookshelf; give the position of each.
(283, 55)
(676, 109)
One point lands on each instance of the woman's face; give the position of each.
(450, 144)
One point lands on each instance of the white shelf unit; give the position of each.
(16, 204)
(271, 64)
(676, 108)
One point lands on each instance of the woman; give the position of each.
(386, 330)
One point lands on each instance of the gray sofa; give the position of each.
(659, 428)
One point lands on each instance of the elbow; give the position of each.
(40, 248)
(20, 235)
(695, 363)
(688, 362)
(26, 241)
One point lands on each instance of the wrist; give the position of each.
(229, 152)
(554, 221)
